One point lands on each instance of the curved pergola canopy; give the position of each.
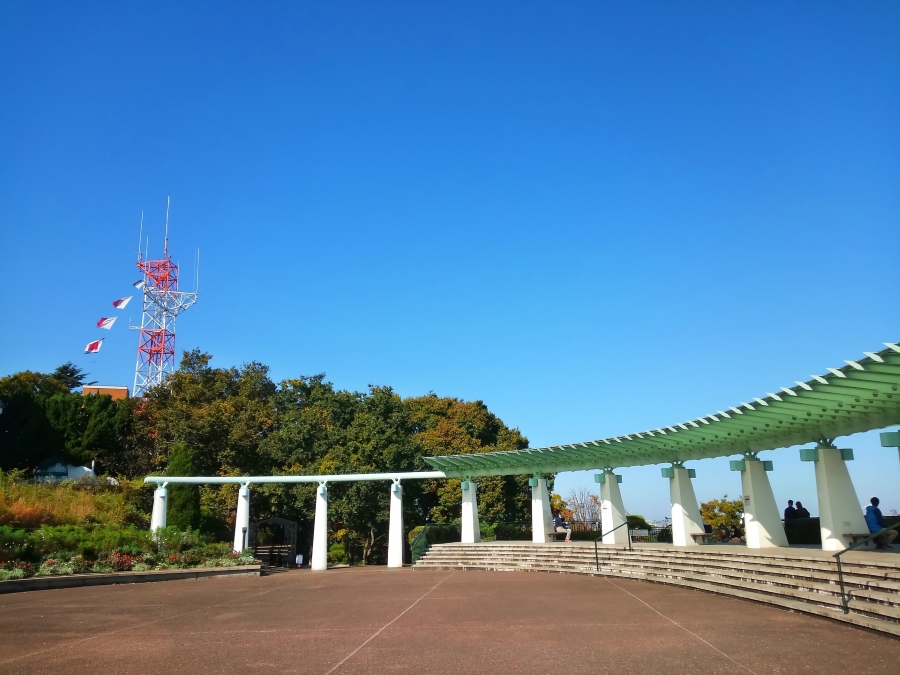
(860, 396)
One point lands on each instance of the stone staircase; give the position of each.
(795, 579)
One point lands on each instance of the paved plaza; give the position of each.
(376, 620)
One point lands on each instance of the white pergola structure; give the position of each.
(320, 533)
(862, 396)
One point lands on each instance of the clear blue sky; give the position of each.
(596, 217)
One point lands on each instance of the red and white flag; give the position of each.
(93, 347)
(121, 302)
(106, 323)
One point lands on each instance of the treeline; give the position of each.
(237, 421)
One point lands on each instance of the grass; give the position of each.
(29, 504)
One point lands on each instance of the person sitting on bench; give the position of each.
(560, 525)
(876, 523)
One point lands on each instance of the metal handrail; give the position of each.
(845, 600)
(413, 546)
(597, 549)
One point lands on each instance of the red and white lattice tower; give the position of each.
(163, 302)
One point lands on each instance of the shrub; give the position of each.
(14, 545)
(512, 532)
(51, 567)
(121, 562)
(636, 522)
(337, 555)
(6, 575)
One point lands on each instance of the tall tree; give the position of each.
(71, 376)
(184, 500)
(26, 436)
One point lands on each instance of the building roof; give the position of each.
(860, 396)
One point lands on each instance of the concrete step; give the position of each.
(878, 569)
(758, 573)
(853, 574)
(803, 584)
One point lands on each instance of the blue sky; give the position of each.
(596, 217)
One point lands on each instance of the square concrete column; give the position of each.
(471, 531)
(395, 530)
(840, 511)
(319, 560)
(891, 439)
(686, 518)
(541, 517)
(762, 522)
(612, 510)
(242, 519)
(158, 515)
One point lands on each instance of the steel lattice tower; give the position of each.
(162, 303)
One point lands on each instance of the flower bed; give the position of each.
(65, 551)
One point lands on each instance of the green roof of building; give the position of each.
(860, 396)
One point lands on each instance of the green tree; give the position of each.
(71, 376)
(184, 500)
(449, 426)
(26, 436)
(719, 512)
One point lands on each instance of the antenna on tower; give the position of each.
(197, 274)
(140, 235)
(166, 244)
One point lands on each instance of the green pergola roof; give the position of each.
(861, 396)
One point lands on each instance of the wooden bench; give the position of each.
(558, 536)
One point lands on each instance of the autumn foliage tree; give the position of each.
(236, 421)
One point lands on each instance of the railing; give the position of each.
(597, 548)
(845, 599)
(419, 544)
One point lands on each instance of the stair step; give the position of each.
(805, 583)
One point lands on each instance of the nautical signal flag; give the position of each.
(121, 302)
(106, 323)
(93, 347)
(138, 284)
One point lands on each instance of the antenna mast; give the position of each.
(140, 235)
(163, 302)
(166, 244)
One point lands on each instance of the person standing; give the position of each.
(876, 523)
(790, 512)
(800, 511)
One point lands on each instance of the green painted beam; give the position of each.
(859, 396)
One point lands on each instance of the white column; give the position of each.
(685, 509)
(471, 531)
(319, 560)
(541, 517)
(158, 516)
(840, 512)
(242, 519)
(612, 510)
(762, 522)
(395, 531)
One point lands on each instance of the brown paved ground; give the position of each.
(399, 621)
